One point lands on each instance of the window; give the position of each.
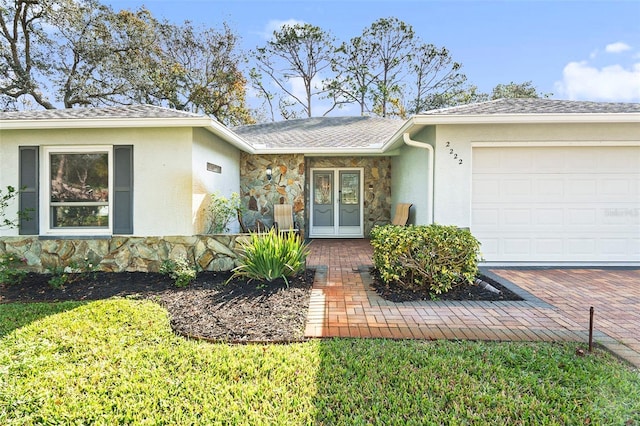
(78, 189)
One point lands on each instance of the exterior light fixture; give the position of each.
(269, 173)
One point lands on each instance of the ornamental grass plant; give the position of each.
(272, 255)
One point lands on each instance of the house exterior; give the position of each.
(140, 196)
(536, 180)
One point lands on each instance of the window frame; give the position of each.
(45, 182)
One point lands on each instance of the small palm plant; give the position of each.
(271, 255)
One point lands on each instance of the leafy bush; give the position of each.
(221, 211)
(434, 257)
(179, 270)
(10, 271)
(72, 272)
(7, 197)
(272, 255)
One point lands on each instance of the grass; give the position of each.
(117, 362)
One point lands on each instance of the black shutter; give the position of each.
(123, 189)
(28, 199)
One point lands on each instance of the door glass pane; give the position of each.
(349, 188)
(322, 191)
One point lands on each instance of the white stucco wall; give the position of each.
(208, 148)
(162, 170)
(410, 174)
(454, 145)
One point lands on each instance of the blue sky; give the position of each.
(583, 50)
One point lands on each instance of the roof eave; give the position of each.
(443, 119)
(568, 118)
(114, 123)
(329, 151)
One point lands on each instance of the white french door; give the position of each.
(336, 203)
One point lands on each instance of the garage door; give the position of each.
(557, 204)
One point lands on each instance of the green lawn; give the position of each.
(117, 362)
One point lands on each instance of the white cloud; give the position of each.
(582, 81)
(617, 47)
(276, 25)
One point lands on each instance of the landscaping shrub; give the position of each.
(179, 270)
(272, 255)
(221, 210)
(434, 257)
(62, 275)
(11, 271)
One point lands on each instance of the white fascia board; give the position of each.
(229, 136)
(325, 152)
(114, 123)
(102, 123)
(398, 137)
(525, 118)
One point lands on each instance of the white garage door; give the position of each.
(557, 204)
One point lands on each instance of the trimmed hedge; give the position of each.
(435, 257)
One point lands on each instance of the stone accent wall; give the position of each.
(289, 186)
(377, 185)
(286, 186)
(127, 254)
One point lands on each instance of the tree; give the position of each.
(436, 77)
(515, 90)
(81, 53)
(389, 72)
(353, 63)
(71, 52)
(296, 53)
(392, 43)
(197, 69)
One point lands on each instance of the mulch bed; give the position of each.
(396, 292)
(240, 311)
(208, 308)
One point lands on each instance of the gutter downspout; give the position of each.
(407, 140)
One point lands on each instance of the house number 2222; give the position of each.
(453, 153)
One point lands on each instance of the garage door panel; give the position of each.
(515, 189)
(486, 217)
(614, 246)
(583, 217)
(517, 246)
(549, 189)
(549, 217)
(516, 217)
(565, 204)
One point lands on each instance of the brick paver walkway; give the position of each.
(556, 306)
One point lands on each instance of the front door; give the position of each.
(336, 203)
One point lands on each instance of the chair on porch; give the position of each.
(401, 216)
(283, 218)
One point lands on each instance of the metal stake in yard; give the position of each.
(590, 329)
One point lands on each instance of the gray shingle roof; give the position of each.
(116, 112)
(537, 106)
(321, 132)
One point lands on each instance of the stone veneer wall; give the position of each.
(120, 254)
(377, 185)
(286, 187)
